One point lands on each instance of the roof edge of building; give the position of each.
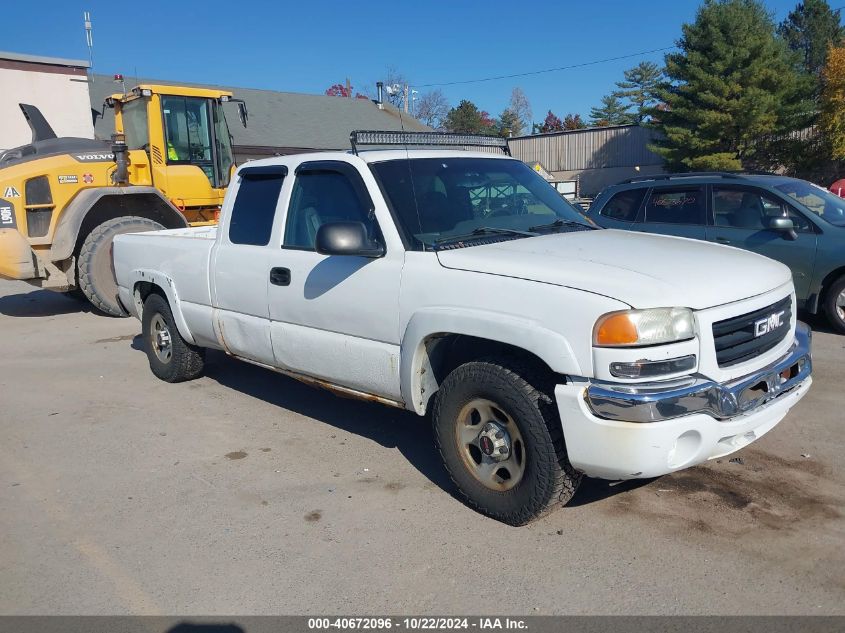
(41, 59)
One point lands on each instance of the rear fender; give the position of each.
(145, 278)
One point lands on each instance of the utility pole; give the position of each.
(406, 98)
(89, 40)
(348, 88)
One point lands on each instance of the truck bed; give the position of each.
(183, 255)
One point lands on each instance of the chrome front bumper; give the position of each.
(655, 402)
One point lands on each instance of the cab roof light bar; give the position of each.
(436, 139)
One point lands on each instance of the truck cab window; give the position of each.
(254, 208)
(134, 115)
(323, 196)
(188, 133)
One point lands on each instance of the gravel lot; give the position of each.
(246, 492)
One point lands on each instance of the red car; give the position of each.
(839, 187)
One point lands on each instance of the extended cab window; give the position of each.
(251, 220)
(624, 205)
(323, 195)
(676, 205)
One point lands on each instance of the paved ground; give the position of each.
(247, 492)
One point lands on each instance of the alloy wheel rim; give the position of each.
(840, 306)
(490, 444)
(160, 340)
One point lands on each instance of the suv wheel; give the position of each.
(834, 305)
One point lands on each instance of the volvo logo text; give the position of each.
(768, 324)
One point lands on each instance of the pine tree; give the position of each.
(809, 30)
(509, 124)
(611, 112)
(640, 88)
(468, 119)
(731, 84)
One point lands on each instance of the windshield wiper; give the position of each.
(558, 224)
(483, 230)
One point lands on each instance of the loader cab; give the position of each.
(185, 136)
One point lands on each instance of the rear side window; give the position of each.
(624, 205)
(676, 205)
(255, 205)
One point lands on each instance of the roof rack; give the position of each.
(376, 137)
(689, 174)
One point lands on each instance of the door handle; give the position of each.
(723, 240)
(280, 276)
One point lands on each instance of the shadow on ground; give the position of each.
(44, 303)
(393, 428)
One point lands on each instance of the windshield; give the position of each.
(826, 205)
(438, 198)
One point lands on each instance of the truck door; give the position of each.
(240, 264)
(334, 317)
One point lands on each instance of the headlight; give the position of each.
(644, 327)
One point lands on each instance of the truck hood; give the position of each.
(640, 269)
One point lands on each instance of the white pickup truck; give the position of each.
(460, 283)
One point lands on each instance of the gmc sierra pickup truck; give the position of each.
(460, 283)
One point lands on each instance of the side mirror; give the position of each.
(346, 238)
(785, 226)
(243, 113)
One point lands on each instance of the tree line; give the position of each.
(739, 92)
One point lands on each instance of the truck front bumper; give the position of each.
(627, 431)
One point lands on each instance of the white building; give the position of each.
(57, 87)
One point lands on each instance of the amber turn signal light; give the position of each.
(617, 329)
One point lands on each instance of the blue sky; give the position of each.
(307, 46)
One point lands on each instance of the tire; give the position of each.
(834, 305)
(171, 358)
(94, 268)
(517, 399)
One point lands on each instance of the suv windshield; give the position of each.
(823, 203)
(435, 199)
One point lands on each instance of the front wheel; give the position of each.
(834, 305)
(171, 357)
(500, 437)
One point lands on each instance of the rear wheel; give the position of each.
(834, 305)
(498, 431)
(171, 357)
(94, 269)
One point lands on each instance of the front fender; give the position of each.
(417, 380)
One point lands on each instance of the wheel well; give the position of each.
(146, 288)
(142, 205)
(828, 281)
(446, 352)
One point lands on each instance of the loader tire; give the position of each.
(94, 268)
(171, 357)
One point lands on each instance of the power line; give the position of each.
(547, 70)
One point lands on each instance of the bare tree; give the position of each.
(394, 77)
(520, 106)
(431, 108)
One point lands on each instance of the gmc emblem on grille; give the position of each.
(768, 324)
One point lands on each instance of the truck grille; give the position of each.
(740, 338)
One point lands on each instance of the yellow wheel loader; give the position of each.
(62, 200)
